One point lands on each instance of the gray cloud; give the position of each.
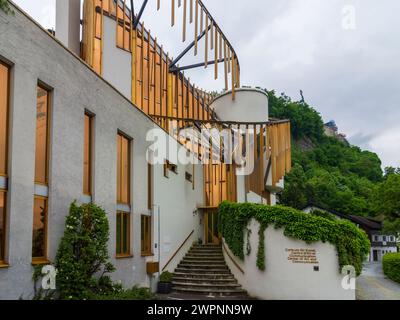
(352, 76)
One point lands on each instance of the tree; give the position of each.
(294, 194)
(83, 252)
(5, 6)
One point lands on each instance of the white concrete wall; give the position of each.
(283, 279)
(36, 56)
(117, 63)
(68, 15)
(250, 105)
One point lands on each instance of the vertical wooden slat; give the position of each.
(196, 28)
(148, 71)
(142, 68)
(155, 76)
(172, 13)
(158, 4)
(102, 38)
(201, 19)
(134, 62)
(226, 65)
(206, 44)
(161, 79)
(216, 54)
(191, 12)
(184, 20)
(212, 35)
(262, 158)
(233, 77)
(220, 46)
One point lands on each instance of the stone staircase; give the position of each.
(203, 271)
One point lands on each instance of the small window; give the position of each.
(169, 167)
(123, 234)
(188, 176)
(87, 155)
(146, 235)
(384, 238)
(39, 235)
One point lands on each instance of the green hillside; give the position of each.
(331, 173)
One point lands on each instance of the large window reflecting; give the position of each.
(2, 226)
(42, 131)
(87, 155)
(39, 236)
(4, 94)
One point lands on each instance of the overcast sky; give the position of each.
(344, 55)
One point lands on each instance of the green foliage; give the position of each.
(166, 277)
(323, 214)
(352, 243)
(83, 252)
(327, 172)
(391, 266)
(118, 293)
(5, 6)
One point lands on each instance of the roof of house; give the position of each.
(364, 221)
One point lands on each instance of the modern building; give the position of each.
(80, 115)
(381, 243)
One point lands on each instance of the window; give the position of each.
(146, 235)
(2, 226)
(169, 167)
(39, 232)
(123, 234)
(149, 186)
(42, 135)
(384, 238)
(87, 155)
(123, 196)
(123, 170)
(4, 106)
(39, 237)
(4, 96)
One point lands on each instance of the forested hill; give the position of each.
(331, 173)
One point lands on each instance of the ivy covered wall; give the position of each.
(352, 243)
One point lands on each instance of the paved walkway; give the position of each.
(373, 285)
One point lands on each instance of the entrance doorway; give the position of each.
(375, 255)
(211, 227)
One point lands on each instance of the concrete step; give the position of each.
(200, 258)
(222, 281)
(203, 262)
(205, 276)
(203, 266)
(206, 286)
(202, 270)
(213, 292)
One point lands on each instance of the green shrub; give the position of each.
(82, 258)
(166, 277)
(131, 294)
(352, 243)
(391, 266)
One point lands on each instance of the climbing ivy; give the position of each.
(352, 243)
(5, 6)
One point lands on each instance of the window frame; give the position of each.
(3, 247)
(128, 253)
(8, 95)
(91, 117)
(48, 123)
(129, 174)
(44, 259)
(146, 236)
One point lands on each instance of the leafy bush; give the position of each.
(82, 258)
(166, 277)
(391, 266)
(131, 294)
(352, 243)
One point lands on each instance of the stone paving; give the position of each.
(373, 285)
